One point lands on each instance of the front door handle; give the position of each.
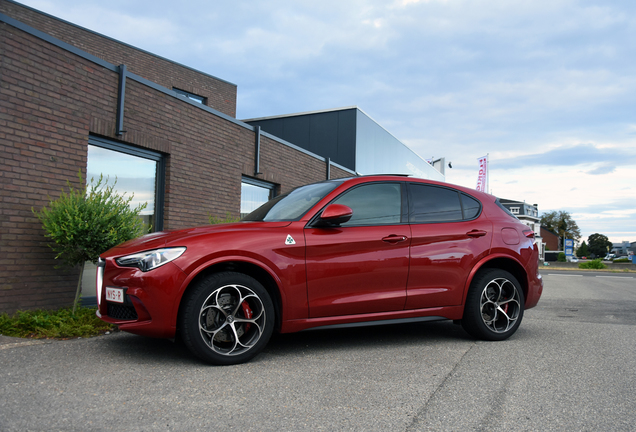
(476, 233)
(394, 239)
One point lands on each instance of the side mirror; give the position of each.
(335, 215)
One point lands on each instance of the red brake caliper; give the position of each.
(248, 314)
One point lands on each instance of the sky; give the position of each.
(545, 88)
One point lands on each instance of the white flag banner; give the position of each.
(483, 174)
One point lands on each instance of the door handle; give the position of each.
(394, 239)
(476, 233)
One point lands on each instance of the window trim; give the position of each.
(160, 177)
(258, 183)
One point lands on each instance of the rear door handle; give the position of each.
(476, 233)
(394, 238)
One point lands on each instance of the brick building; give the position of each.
(74, 101)
(66, 92)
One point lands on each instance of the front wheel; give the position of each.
(227, 318)
(494, 306)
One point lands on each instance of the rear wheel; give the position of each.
(494, 306)
(227, 318)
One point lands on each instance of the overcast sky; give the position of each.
(547, 88)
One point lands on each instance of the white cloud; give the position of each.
(545, 87)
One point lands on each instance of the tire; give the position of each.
(227, 318)
(494, 306)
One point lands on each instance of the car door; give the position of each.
(448, 237)
(362, 265)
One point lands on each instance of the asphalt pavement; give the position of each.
(570, 367)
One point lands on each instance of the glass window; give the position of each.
(433, 204)
(470, 206)
(254, 193)
(294, 205)
(200, 99)
(373, 204)
(134, 173)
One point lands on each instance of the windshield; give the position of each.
(294, 205)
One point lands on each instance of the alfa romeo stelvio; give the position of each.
(350, 252)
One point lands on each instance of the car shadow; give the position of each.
(360, 338)
(146, 350)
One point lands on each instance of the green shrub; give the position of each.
(596, 264)
(62, 323)
(561, 257)
(85, 222)
(622, 260)
(228, 219)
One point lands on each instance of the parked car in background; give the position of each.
(348, 252)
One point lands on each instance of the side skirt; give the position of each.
(378, 323)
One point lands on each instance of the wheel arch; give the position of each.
(502, 262)
(250, 269)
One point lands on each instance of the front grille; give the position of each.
(122, 312)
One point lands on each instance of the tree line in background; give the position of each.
(562, 224)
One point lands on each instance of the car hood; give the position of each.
(177, 237)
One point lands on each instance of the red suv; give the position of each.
(348, 252)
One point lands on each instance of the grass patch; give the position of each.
(61, 323)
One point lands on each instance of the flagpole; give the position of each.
(488, 173)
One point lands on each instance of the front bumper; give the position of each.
(151, 299)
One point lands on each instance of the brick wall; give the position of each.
(220, 94)
(550, 239)
(51, 100)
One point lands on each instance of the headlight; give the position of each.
(146, 261)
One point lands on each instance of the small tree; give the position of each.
(582, 251)
(88, 221)
(562, 224)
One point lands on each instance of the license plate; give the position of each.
(115, 295)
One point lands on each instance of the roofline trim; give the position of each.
(113, 68)
(117, 41)
(302, 113)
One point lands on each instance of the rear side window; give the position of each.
(471, 207)
(428, 203)
(508, 212)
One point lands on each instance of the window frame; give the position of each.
(273, 189)
(160, 176)
(191, 96)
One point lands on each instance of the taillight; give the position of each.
(528, 233)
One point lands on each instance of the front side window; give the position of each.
(373, 204)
